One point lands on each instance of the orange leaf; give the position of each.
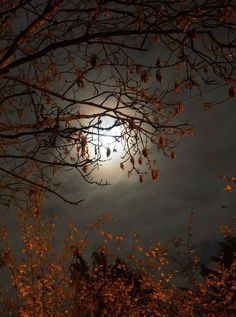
(177, 88)
(35, 211)
(181, 107)
(233, 179)
(228, 188)
(173, 155)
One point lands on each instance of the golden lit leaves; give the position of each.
(225, 231)
(107, 235)
(119, 238)
(180, 107)
(35, 211)
(25, 290)
(45, 286)
(228, 188)
(231, 181)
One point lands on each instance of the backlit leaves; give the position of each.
(144, 283)
(228, 188)
(231, 181)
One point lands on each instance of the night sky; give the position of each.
(117, 157)
(160, 210)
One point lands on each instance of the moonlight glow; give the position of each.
(108, 142)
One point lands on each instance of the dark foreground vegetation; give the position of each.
(154, 281)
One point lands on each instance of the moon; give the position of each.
(109, 146)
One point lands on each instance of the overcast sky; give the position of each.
(160, 210)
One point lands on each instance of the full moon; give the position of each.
(108, 145)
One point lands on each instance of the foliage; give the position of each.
(74, 72)
(145, 283)
(231, 181)
(77, 80)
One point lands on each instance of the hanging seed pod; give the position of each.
(155, 174)
(144, 77)
(145, 152)
(137, 69)
(177, 88)
(141, 179)
(80, 79)
(232, 92)
(173, 155)
(131, 124)
(158, 77)
(108, 152)
(93, 61)
(140, 160)
(85, 168)
(180, 107)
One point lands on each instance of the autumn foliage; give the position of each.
(73, 73)
(148, 282)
